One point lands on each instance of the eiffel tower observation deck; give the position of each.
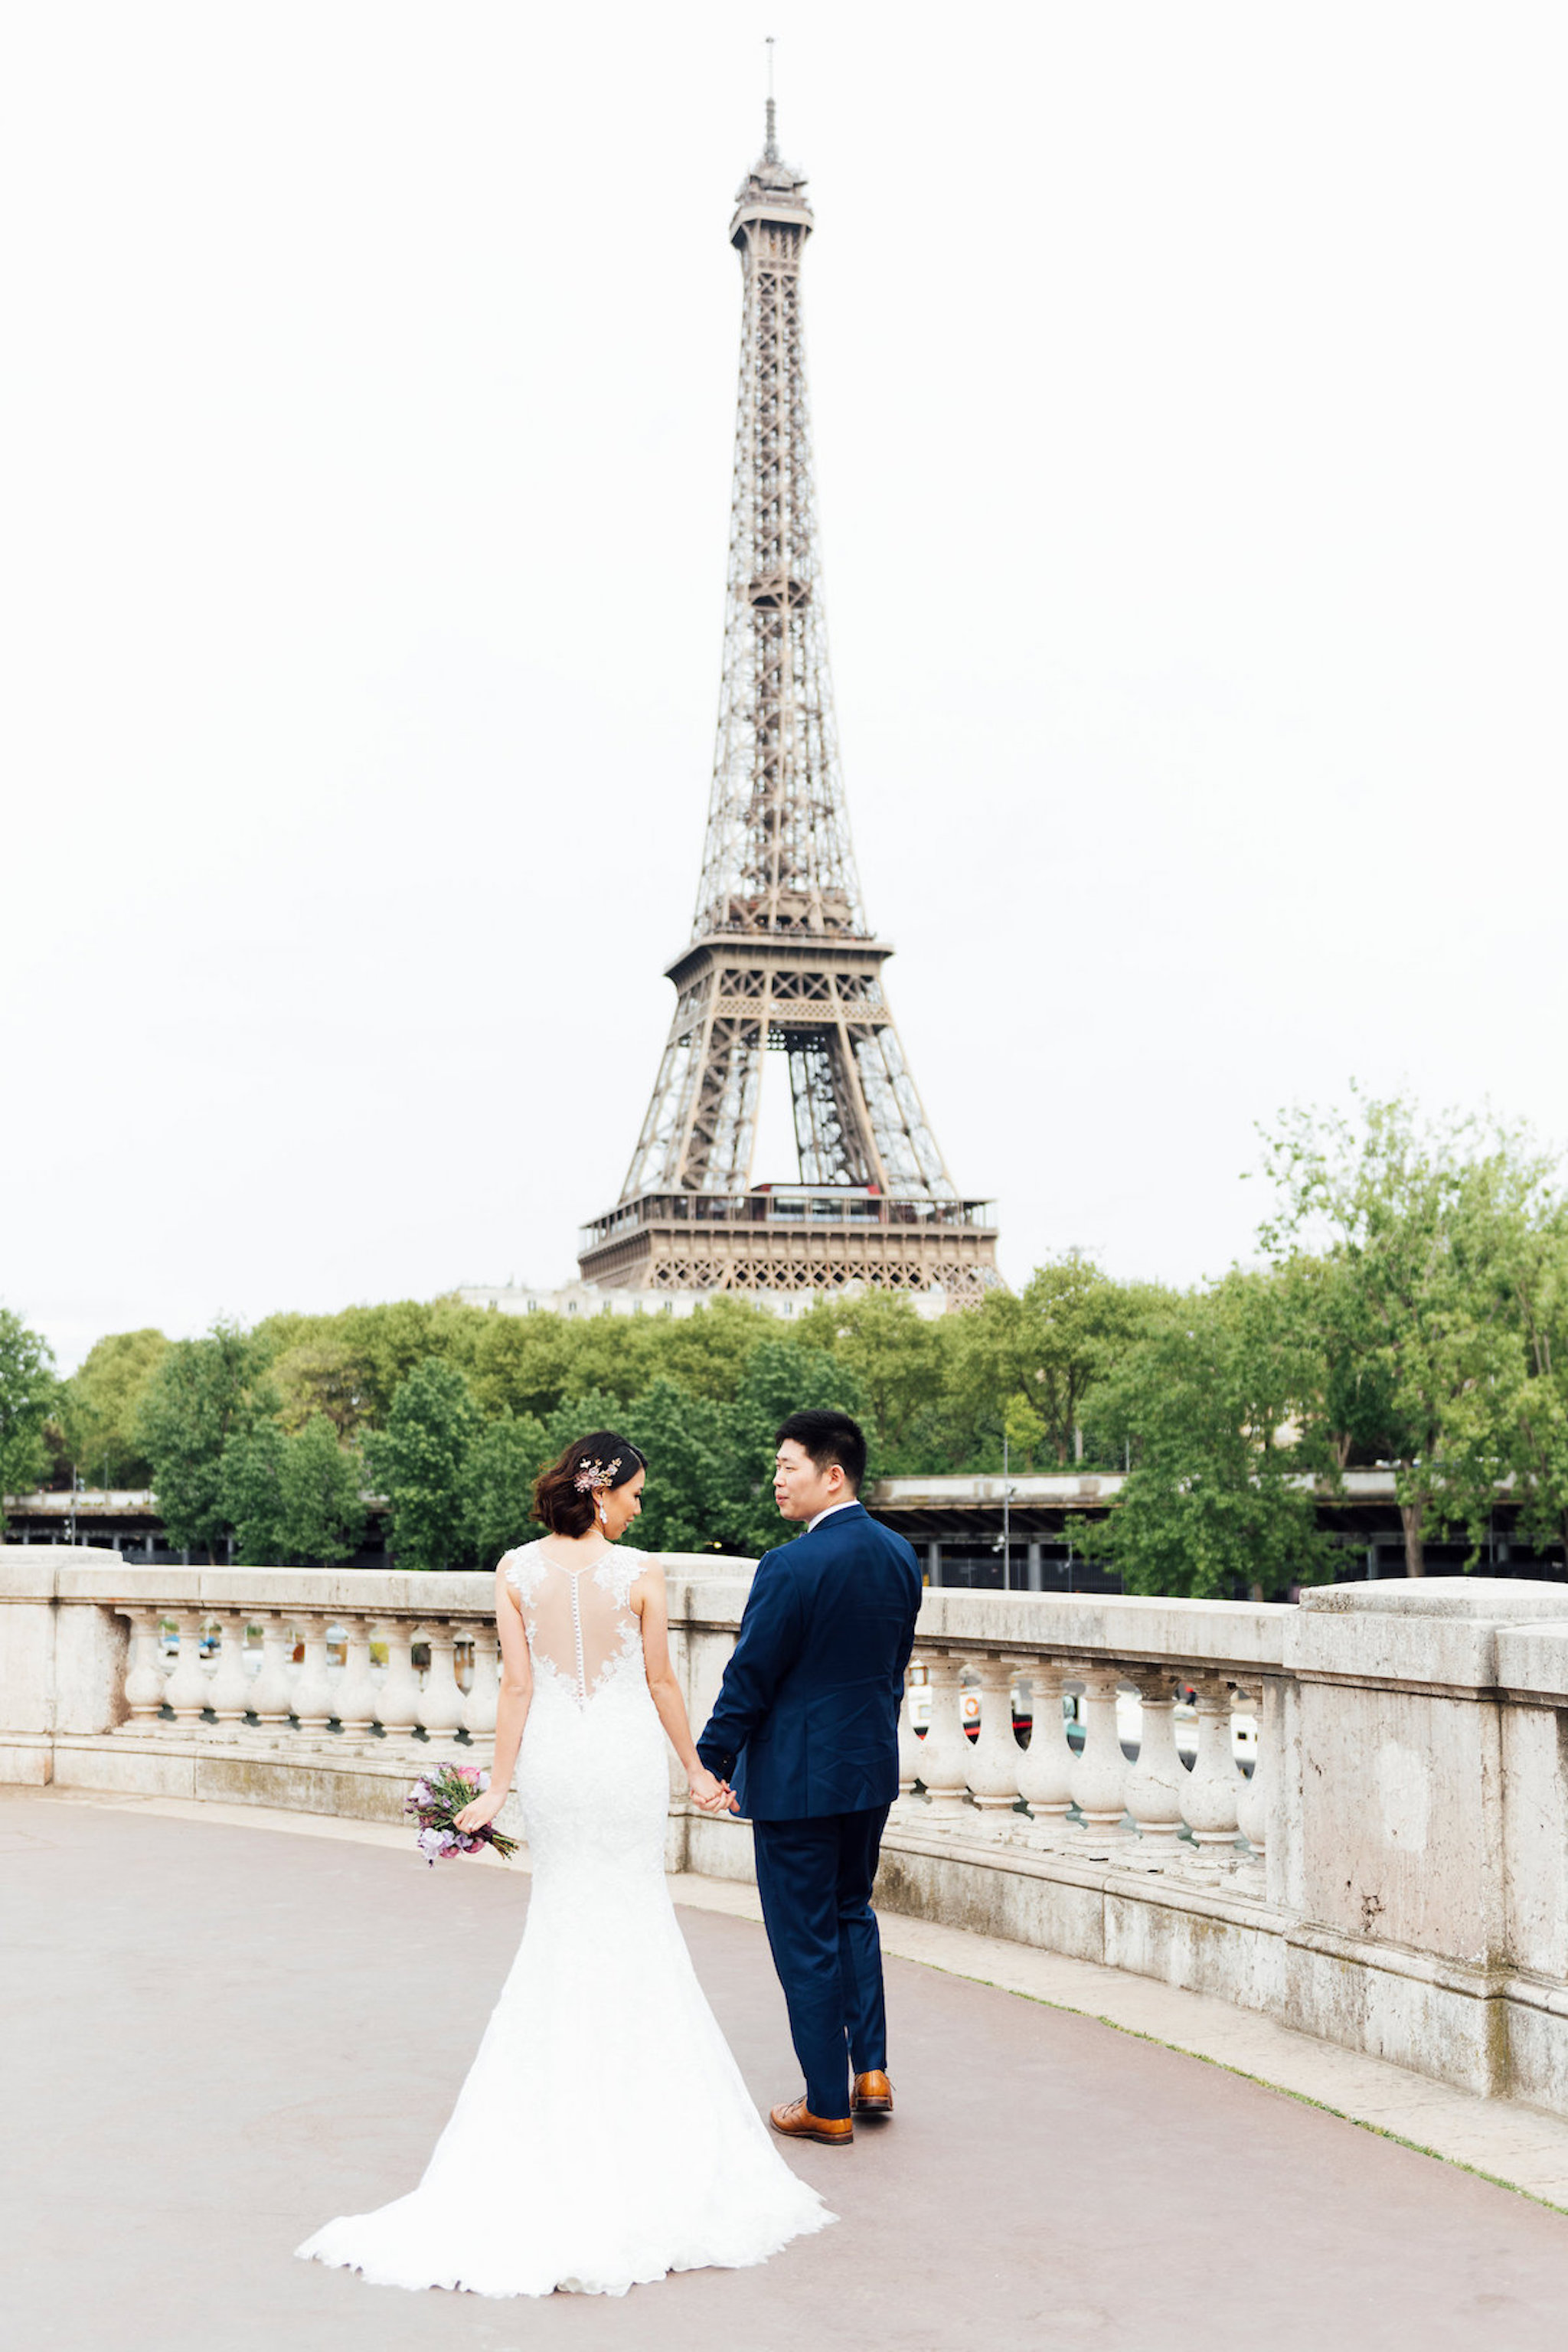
(782, 957)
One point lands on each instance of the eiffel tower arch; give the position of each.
(780, 957)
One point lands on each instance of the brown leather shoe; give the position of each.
(872, 2094)
(795, 2120)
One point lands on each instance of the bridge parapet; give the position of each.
(1351, 1816)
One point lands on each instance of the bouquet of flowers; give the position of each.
(437, 1798)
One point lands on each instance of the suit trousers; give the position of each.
(814, 1877)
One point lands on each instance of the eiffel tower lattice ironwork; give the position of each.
(781, 955)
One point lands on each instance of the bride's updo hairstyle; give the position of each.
(595, 1465)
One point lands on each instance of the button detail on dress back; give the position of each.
(577, 1641)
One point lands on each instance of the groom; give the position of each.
(806, 1725)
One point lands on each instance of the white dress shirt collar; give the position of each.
(849, 1505)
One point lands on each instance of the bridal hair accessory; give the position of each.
(592, 1478)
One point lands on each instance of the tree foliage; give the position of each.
(1427, 1228)
(420, 1460)
(28, 1394)
(1212, 1406)
(101, 1405)
(1412, 1312)
(502, 1462)
(1031, 1361)
(294, 1500)
(204, 1394)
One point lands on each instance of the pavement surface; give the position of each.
(217, 2038)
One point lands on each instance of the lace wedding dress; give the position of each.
(603, 2136)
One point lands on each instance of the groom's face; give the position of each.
(801, 1488)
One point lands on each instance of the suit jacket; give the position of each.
(807, 1717)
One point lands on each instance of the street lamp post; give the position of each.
(1003, 1543)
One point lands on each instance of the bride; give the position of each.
(603, 2136)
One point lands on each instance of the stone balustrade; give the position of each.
(316, 1689)
(1350, 1815)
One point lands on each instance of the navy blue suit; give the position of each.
(805, 1727)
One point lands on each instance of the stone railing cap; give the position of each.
(1484, 1598)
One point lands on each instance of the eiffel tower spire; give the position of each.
(781, 954)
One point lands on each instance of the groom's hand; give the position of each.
(708, 1791)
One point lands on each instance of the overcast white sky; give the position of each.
(1189, 395)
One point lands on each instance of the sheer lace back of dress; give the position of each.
(582, 1628)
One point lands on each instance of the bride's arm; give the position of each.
(651, 1602)
(512, 1706)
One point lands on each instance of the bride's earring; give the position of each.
(604, 1514)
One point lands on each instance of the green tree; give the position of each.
(250, 1490)
(1420, 1316)
(576, 1415)
(323, 1497)
(781, 1377)
(505, 1458)
(420, 1463)
(687, 1503)
(707, 1354)
(388, 1342)
(204, 1393)
(1052, 1344)
(1522, 1418)
(29, 1395)
(522, 1364)
(321, 1377)
(1220, 1499)
(1023, 1428)
(100, 1403)
(901, 1360)
(295, 1501)
(351, 1365)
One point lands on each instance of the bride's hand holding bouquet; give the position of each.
(455, 1805)
(481, 1812)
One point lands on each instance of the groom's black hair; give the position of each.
(828, 1435)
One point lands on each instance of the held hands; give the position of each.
(710, 1794)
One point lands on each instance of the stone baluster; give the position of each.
(313, 1694)
(144, 1683)
(1045, 1768)
(484, 1690)
(945, 1753)
(399, 1703)
(441, 1701)
(995, 1758)
(230, 1691)
(356, 1694)
(1208, 1801)
(271, 1695)
(1155, 1784)
(1099, 1774)
(912, 1747)
(188, 1686)
(1254, 1796)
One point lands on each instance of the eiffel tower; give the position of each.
(780, 956)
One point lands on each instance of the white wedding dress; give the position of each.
(603, 2136)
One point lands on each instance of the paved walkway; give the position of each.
(216, 2037)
